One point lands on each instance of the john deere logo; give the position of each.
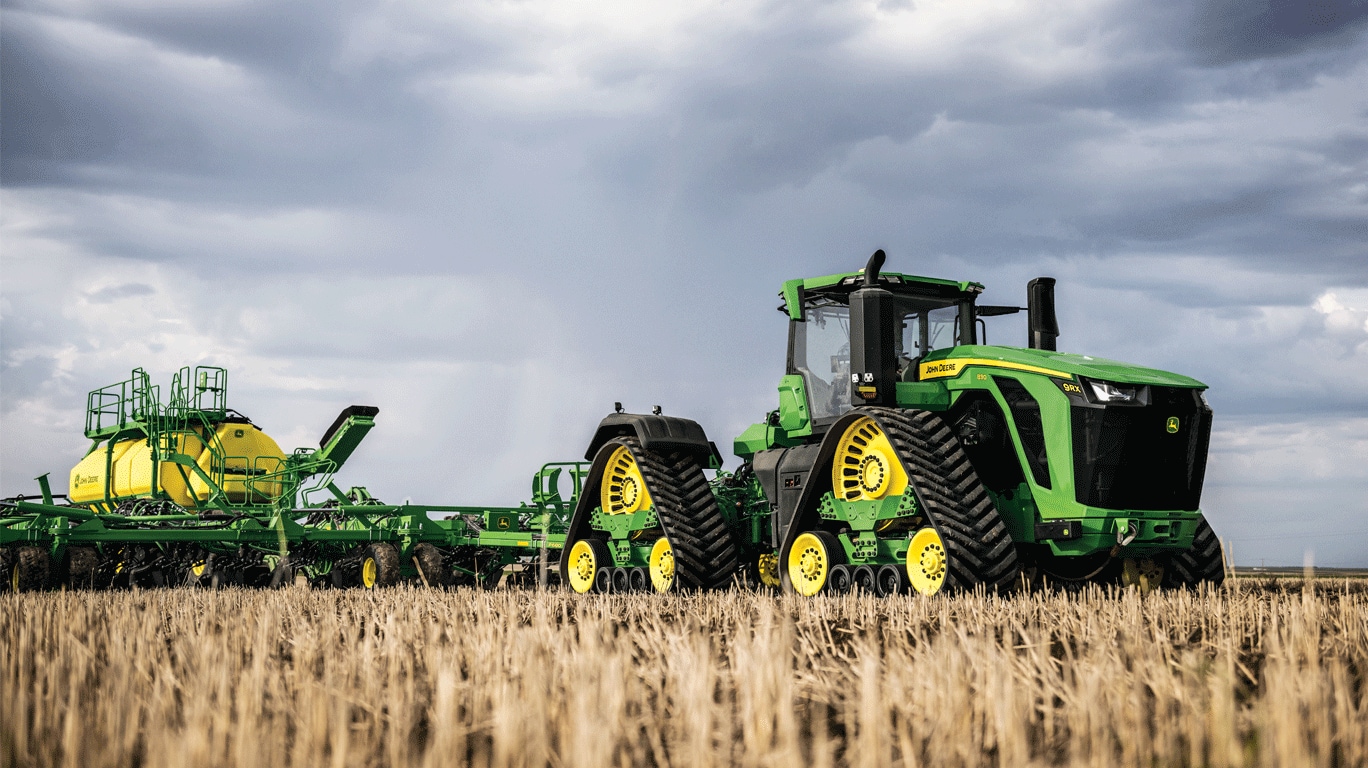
(503, 522)
(1172, 425)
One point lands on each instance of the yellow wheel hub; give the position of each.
(197, 570)
(866, 467)
(662, 564)
(926, 562)
(368, 572)
(623, 489)
(809, 562)
(14, 579)
(769, 569)
(1143, 573)
(583, 565)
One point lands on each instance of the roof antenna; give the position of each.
(617, 407)
(871, 270)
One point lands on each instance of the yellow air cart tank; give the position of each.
(246, 469)
(123, 470)
(238, 460)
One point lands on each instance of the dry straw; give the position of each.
(1263, 676)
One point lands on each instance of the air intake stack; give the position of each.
(873, 365)
(1040, 313)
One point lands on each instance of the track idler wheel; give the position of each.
(662, 565)
(31, 570)
(586, 558)
(862, 578)
(810, 560)
(767, 570)
(926, 562)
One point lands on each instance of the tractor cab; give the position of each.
(854, 336)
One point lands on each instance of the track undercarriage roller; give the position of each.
(862, 578)
(840, 581)
(889, 580)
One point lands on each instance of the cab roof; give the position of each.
(842, 284)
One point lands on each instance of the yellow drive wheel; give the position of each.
(926, 562)
(369, 572)
(623, 489)
(584, 561)
(662, 565)
(810, 561)
(768, 566)
(866, 467)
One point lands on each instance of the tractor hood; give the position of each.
(948, 363)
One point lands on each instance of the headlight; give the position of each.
(1106, 393)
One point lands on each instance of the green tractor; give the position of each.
(907, 455)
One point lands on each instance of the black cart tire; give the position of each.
(428, 560)
(31, 570)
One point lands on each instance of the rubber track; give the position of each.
(705, 551)
(1201, 562)
(978, 545)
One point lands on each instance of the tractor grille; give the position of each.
(1125, 457)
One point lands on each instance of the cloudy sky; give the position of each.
(493, 219)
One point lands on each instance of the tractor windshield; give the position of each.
(821, 355)
(820, 345)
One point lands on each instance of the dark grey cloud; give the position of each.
(1230, 31)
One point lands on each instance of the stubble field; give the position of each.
(1252, 674)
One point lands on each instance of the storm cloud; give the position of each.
(493, 220)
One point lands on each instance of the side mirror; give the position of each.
(1040, 314)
